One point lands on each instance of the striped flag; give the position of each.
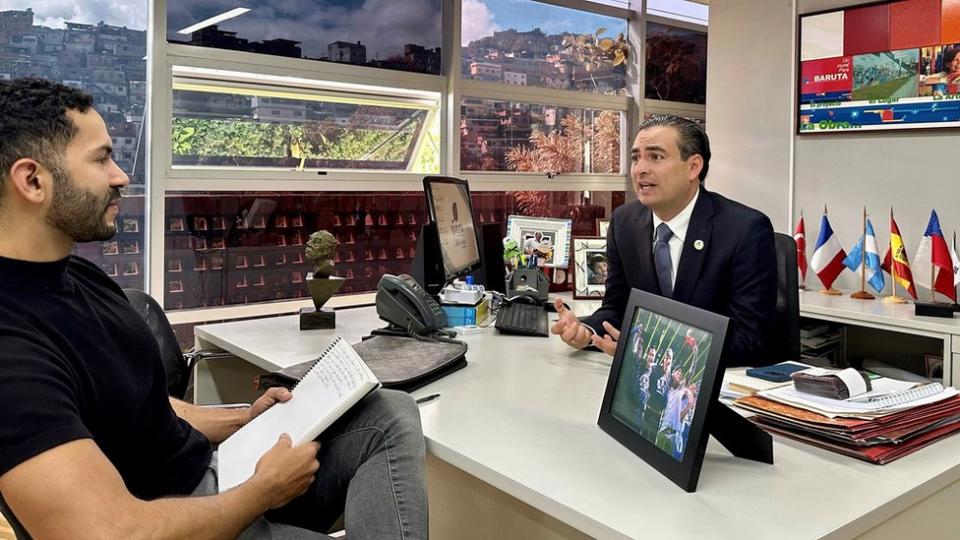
(870, 256)
(933, 256)
(827, 260)
(800, 236)
(897, 255)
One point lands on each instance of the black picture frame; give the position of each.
(684, 472)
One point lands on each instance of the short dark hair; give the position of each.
(34, 121)
(691, 138)
(948, 56)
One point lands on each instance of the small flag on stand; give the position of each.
(869, 256)
(897, 257)
(800, 236)
(933, 262)
(827, 259)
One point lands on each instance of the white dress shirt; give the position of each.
(678, 225)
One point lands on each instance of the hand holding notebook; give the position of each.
(337, 381)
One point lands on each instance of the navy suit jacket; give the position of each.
(734, 274)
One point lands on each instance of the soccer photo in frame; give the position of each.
(589, 267)
(665, 375)
(545, 240)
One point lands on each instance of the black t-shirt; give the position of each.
(76, 361)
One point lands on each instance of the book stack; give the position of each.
(893, 420)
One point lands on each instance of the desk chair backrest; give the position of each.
(174, 364)
(785, 338)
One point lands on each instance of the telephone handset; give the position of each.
(402, 302)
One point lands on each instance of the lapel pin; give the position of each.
(698, 245)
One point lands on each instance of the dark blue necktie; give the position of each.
(662, 261)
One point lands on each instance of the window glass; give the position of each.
(224, 128)
(238, 248)
(392, 35)
(527, 137)
(528, 43)
(99, 48)
(676, 67)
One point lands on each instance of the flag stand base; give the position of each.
(803, 287)
(934, 309)
(862, 295)
(831, 292)
(894, 300)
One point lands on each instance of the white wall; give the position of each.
(749, 103)
(910, 170)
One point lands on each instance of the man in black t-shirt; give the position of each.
(89, 441)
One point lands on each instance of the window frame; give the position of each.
(164, 58)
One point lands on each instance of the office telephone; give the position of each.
(403, 303)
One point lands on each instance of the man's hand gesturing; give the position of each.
(569, 328)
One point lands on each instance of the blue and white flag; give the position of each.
(855, 259)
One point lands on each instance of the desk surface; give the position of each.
(523, 417)
(875, 312)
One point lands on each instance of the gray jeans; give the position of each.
(371, 472)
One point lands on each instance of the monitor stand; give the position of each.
(740, 436)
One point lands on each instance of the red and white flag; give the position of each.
(800, 236)
(828, 256)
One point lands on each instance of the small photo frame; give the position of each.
(664, 380)
(174, 266)
(131, 268)
(242, 262)
(110, 248)
(200, 223)
(296, 277)
(199, 243)
(602, 226)
(110, 269)
(218, 223)
(175, 286)
(282, 222)
(218, 243)
(544, 241)
(129, 247)
(933, 366)
(176, 224)
(216, 262)
(296, 221)
(130, 225)
(589, 267)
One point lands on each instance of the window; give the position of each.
(525, 137)
(529, 43)
(218, 126)
(101, 53)
(391, 35)
(237, 248)
(676, 68)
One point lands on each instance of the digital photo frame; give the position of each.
(661, 396)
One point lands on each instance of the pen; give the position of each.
(425, 399)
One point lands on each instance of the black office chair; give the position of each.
(785, 338)
(176, 365)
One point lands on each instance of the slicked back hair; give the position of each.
(34, 122)
(690, 137)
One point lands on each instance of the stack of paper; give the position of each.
(897, 421)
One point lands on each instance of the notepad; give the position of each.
(906, 396)
(337, 380)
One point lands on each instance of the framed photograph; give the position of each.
(665, 375)
(131, 268)
(242, 262)
(130, 247)
(589, 266)
(110, 269)
(296, 221)
(176, 224)
(175, 286)
(602, 226)
(130, 225)
(544, 241)
(933, 366)
(110, 248)
(218, 223)
(216, 262)
(218, 243)
(199, 243)
(174, 266)
(281, 221)
(199, 223)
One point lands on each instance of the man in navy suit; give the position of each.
(683, 242)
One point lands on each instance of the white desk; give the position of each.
(522, 418)
(891, 317)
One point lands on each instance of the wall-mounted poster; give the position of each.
(889, 65)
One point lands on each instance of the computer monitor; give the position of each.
(661, 395)
(451, 212)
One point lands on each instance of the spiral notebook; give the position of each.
(906, 396)
(337, 380)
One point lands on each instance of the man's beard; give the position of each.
(77, 213)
